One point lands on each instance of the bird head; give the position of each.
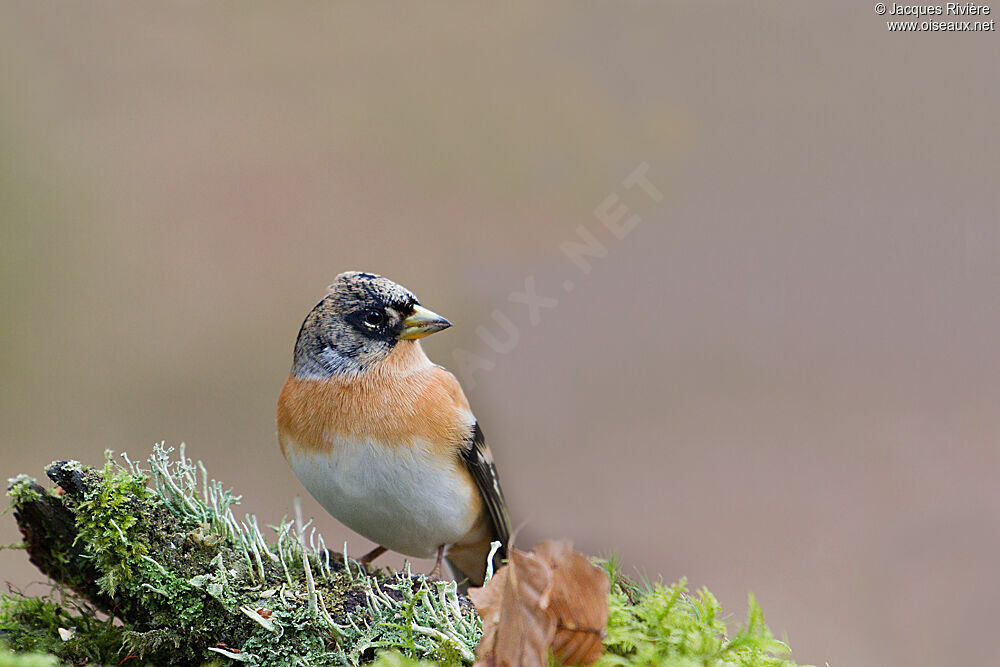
(359, 323)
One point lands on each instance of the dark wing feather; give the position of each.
(479, 460)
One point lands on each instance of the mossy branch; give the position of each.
(167, 574)
(191, 582)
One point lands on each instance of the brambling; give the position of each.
(383, 438)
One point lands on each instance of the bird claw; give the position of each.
(435, 574)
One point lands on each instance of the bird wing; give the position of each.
(479, 460)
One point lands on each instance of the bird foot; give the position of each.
(435, 574)
(372, 555)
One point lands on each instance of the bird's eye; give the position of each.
(374, 318)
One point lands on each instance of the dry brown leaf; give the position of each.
(518, 625)
(579, 601)
(550, 598)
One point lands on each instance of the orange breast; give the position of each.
(386, 404)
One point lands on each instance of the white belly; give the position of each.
(400, 497)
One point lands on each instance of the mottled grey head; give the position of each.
(358, 324)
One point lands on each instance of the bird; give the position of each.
(383, 438)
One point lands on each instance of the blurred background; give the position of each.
(783, 378)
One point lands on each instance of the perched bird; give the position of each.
(383, 438)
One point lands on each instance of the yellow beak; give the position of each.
(422, 323)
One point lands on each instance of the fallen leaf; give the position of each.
(551, 598)
(579, 602)
(518, 626)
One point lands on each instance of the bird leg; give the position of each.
(372, 555)
(435, 574)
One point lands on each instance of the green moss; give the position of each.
(65, 629)
(21, 489)
(109, 523)
(397, 659)
(666, 625)
(10, 658)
